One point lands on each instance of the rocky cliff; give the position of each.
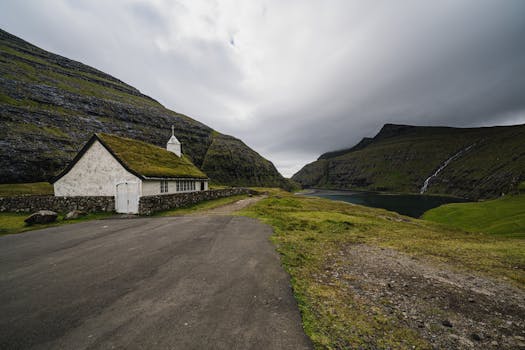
(483, 162)
(51, 105)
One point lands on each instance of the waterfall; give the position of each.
(443, 166)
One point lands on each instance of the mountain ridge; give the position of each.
(51, 105)
(401, 157)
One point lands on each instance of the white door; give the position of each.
(127, 198)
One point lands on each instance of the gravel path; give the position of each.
(451, 309)
(229, 209)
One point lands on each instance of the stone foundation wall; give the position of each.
(150, 204)
(29, 204)
(147, 204)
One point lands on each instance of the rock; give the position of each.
(41, 217)
(446, 323)
(75, 214)
(476, 337)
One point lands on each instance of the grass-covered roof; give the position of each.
(147, 160)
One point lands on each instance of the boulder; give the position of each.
(75, 214)
(41, 217)
(447, 323)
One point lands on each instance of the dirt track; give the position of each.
(228, 209)
(451, 309)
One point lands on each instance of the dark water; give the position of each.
(407, 204)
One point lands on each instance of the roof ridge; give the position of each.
(140, 158)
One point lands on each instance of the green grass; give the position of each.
(214, 186)
(14, 222)
(149, 160)
(310, 233)
(206, 205)
(503, 216)
(34, 188)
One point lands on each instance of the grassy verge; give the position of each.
(503, 216)
(205, 205)
(14, 222)
(34, 188)
(214, 186)
(310, 232)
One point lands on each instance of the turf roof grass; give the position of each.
(149, 160)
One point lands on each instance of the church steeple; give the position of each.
(173, 144)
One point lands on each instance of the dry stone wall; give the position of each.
(150, 204)
(147, 204)
(29, 204)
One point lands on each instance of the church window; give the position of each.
(163, 186)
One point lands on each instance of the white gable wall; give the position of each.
(95, 174)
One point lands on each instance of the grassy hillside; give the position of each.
(224, 165)
(401, 157)
(35, 188)
(314, 237)
(503, 216)
(50, 106)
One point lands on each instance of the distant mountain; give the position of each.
(482, 162)
(51, 105)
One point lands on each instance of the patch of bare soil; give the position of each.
(228, 209)
(451, 309)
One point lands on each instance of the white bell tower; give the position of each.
(173, 144)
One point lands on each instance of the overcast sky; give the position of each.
(294, 79)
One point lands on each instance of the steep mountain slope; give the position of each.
(226, 164)
(488, 162)
(51, 105)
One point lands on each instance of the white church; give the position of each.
(110, 165)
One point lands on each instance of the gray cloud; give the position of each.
(302, 77)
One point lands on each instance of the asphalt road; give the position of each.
(211, 282)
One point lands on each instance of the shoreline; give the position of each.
(331, 191)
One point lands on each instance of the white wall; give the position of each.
(175, 148)
(152, 187)
(95, 174)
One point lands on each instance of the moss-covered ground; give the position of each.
(503, 216)
(34, 188)
(14, 222)
(309, 231)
